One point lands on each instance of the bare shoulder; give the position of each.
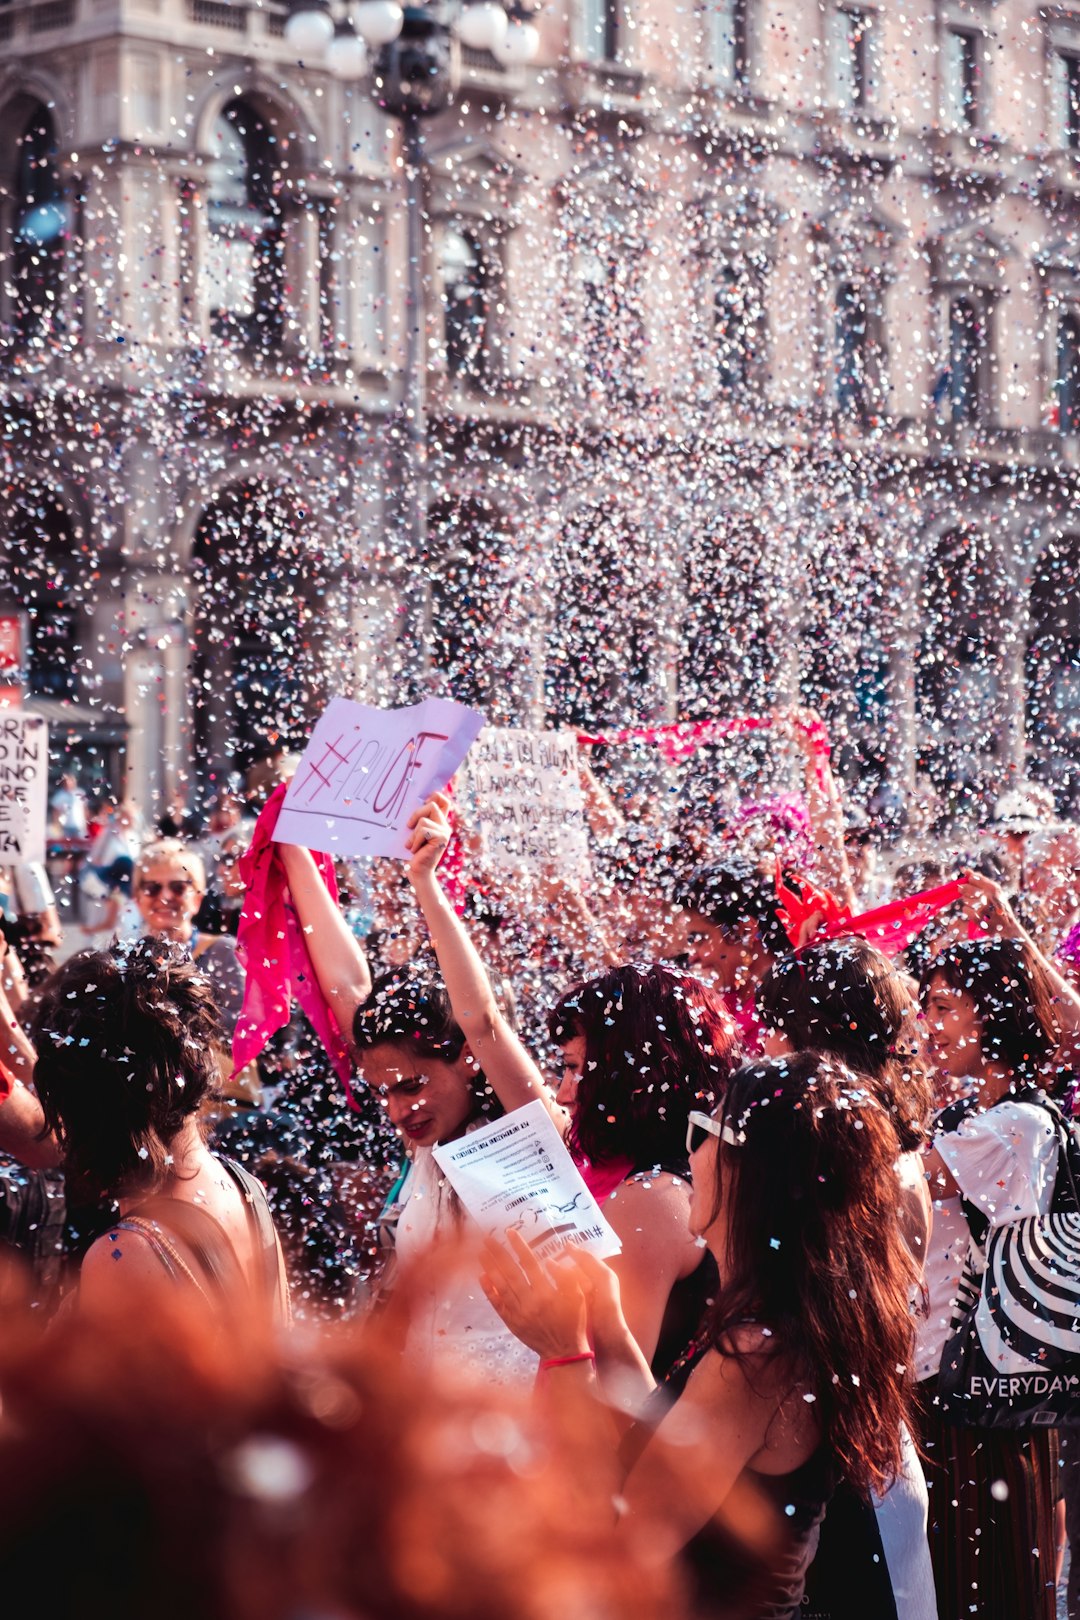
(652, 1213)
(118, 1261)
(651, 1196)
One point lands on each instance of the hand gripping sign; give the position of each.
(366, 770)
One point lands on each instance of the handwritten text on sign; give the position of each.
(24, 771)
(529, 805)
(366, 770)
(515, 1173)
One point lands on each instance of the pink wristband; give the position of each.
(566, 1361)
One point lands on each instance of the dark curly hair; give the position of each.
(1014, 999)
(813, 1250)
(410, 1008)
(127, 1050)
(657, 1044)
(735, 891)
(847, 999)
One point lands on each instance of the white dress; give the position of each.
(903, 1511)
(452, 1323)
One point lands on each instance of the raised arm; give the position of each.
(603, 815)
(806, 730)
(508, 1066)
(21, 1118)
(987, 904)
(341, 967)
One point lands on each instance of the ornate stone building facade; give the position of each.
(751, 349)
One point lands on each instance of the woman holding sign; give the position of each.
(642, 1047)
(444, 1058)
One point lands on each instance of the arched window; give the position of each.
(42, 563)
(602, 639)
(736, 324)
(958, 679)
(730, 632)
(851, 351)
(39, 229)
(603, 25)
(245, 251)
(470, 599)
(1068, 373)
(260, 618)
(467, 305)
(613, 333)
(966, 346)
(1053, 672)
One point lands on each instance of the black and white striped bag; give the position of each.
(1012, 1359)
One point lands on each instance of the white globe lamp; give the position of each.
(346, 54)
(378, 21)
(520, 45)
(483, 27)
(310, 30)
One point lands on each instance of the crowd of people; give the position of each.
(256, 1358)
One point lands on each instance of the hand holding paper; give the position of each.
(543, 1306)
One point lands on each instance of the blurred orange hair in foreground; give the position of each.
(157, 1465)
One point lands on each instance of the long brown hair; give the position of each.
(814, 1250)
(658, 1043)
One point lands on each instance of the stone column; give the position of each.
(1015, 628)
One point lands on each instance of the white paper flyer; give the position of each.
(515, 1174)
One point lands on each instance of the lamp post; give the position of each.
(413, 78)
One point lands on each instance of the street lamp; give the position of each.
(413, 75)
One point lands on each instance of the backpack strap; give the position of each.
(945, 1123)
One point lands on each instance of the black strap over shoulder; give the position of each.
(945, 1123)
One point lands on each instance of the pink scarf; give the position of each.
(270, 942)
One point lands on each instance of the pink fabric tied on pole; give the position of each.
(274, 955)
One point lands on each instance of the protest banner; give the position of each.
(515, 1174)
(24, 773)
(366, 770)
(528, 802)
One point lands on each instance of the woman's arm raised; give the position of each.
(341, 967)
(508, 1066)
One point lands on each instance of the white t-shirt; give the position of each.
(1004, 1160)
(451, 1320)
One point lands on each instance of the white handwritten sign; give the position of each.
(24, 772)
(515, 1174)
(529, 806)
(366, 770)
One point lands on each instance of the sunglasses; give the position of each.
(700, 1126)
(177, 887)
